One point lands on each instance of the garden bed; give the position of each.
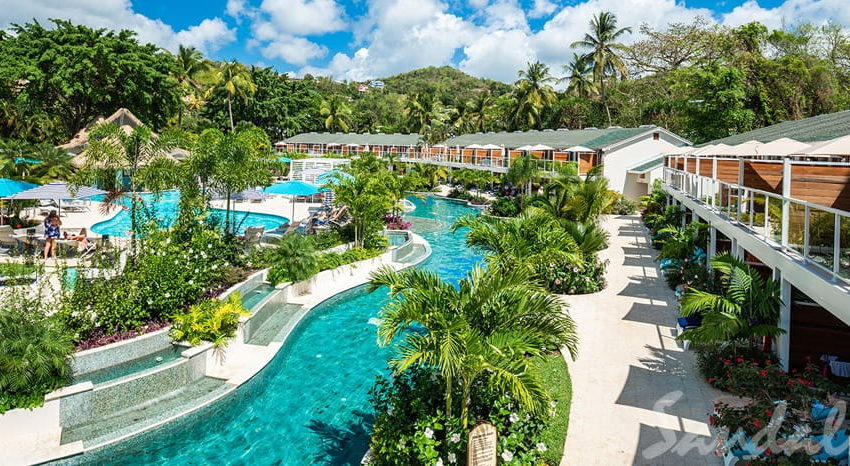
(556, 380)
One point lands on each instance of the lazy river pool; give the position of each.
(310, 405)
(164, 208)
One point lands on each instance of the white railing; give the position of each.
(820, 235)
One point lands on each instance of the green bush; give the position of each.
(327, 240)
(294, 259)
(332, 260)
(564, 277)
(504, 206)
(34, 355)
(411, 427)
(210, 320)
(621, 205)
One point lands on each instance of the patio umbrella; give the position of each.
(56, 192)
(284, 159)
(292, 188)
(332, 175)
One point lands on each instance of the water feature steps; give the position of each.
(104, 430)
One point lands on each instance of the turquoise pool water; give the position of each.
(253, 297)
(164, 209)
(131, 367)
(310, 404)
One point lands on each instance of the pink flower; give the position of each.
(557, 281)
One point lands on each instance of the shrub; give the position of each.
(621, 205)
(411, 427)
(332, 260)
(565, 277)
(34, 351)
(211, 320)
(292, 260)
(505, 206)
(327, 239)
(396, 222)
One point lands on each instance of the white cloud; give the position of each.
(294, 50)
(505, 14)
(304, 17)
(236, 8)
(789, 12)
(498, 55)
(209, 35)
(542, 8)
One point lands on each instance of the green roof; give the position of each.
(376, 139)
(648, 165)
(559, 139)
(816, 128)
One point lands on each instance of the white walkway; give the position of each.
(637, 396)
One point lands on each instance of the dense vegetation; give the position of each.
(700, 80)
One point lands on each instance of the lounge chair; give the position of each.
(253, 235)
(6, 238)
(687, 323)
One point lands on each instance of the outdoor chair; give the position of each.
(687, 323)
(253, 235)
(6, 238)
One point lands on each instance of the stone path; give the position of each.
(637, 396)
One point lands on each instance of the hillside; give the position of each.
(447, 83)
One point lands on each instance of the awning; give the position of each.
(9, 187)
(579, 149)
(647, 165)
(782, 147)
(474, 146)
(491, 147)
(837, 146)
(541, 147)
(742, 149)
(525, 148)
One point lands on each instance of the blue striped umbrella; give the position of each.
(57, 191)
(292, 188)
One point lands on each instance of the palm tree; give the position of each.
(603, 50)
(579, 79)
(337, 113)
(747, 308)
(190, 63)
(485, 330)
(431, 173)
(367, 199)
(111, 150)
(476, 114)
(423, 113)
(521, 241)
(534, 93)
(236, 81)
(523, 171)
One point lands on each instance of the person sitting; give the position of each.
(51, 234)
(81, 237)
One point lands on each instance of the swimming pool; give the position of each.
(164, 208)
(310, 404)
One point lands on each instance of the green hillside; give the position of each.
(447, 83)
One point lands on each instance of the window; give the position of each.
(656, 136)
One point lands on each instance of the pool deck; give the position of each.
(638, 397)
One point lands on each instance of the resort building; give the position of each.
(779, 197)
(309, 170)
(632, 157)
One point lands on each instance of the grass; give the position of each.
(556, 380)
(16, 269)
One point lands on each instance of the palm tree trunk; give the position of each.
(464, 405)
(604, 98)
(230, 112)
(448, 397)
(227, 214)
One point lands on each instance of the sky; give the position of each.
(357, 40)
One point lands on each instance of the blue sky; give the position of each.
(362, 39)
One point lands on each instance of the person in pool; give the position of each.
(51, 234)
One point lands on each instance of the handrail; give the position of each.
(698, 187)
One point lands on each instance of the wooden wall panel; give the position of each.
(706, 167)
(727, 170)
(766, 176)
(820, 184)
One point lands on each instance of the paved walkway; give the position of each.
(637, 396)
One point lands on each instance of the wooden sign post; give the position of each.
(481, 449)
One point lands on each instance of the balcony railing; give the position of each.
(820, 235)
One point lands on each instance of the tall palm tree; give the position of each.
(534, 93)
(476, 114)
(747, 308)
(523, 171)
(485, 330)
(603, 48)
(236, 81)
(579, 78)
(190, 64)
(337, 113)
(422, 112)
(431, 173)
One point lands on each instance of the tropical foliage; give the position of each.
(212, 320)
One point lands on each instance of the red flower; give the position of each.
(740, 359)
(767, 361)
(768, 452)
(763, 373)
(727, 362)
(711, 420)
(711, 380)
(793, 371)
(757, 423)
(768, 412)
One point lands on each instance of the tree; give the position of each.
(534, 94)
(747, 308)
(476, 114)
(366, 196)
(432, 174)
(523, 171)
(190, 64)
(579, 79)
(486, 329)
(337, 113)
(235, 80)
(718, 103)
(75, 73)
(604, 51)
(113, 152)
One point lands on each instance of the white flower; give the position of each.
(507, 455)
(513, 417)
(455, 438)
(439, 462)
(452, 458)
(429, 433)
(402, 444)
(541, 447)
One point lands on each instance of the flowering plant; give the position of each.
(564, 277)
(396, 222)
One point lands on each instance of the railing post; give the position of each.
(806, 226)
(699, 180)
(766, 216)
(783, 344)
(836, 248)
(786, 204)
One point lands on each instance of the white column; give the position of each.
(786, 204)
(712, 243)
(783, 342)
